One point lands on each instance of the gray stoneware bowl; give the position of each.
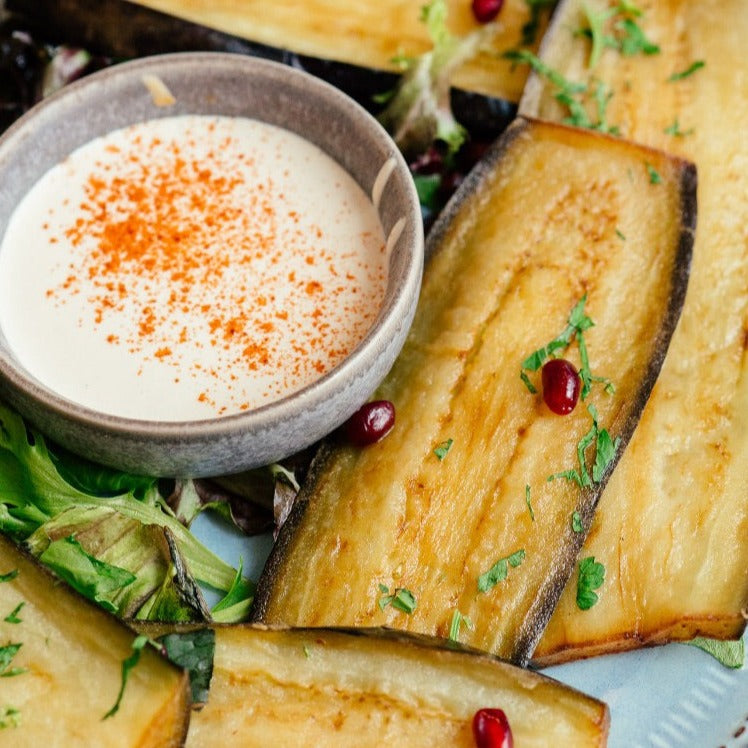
(233, 85)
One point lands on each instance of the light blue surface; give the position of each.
(675, 695)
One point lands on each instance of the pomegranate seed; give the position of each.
(561, 385)
(491, 729)
(370, 423)
(486, 10)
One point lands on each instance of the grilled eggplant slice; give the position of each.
(70, 669)
(368, 34)
(532, 230)
(672, 525)
(371, 688)
(348, 45)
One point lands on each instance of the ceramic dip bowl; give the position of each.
(237, 434)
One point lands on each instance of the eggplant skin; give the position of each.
(530, 231)
(373, 687)
(121, 29)
(671, 526)
(73, 652)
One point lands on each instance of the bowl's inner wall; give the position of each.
(207, 84)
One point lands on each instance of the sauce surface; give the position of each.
(189, 267)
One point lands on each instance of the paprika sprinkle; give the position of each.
(189, 267)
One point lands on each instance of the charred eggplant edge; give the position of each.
(551, 589)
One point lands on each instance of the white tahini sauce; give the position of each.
(190, 267)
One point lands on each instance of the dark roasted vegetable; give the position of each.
(68, 670)
(320, 687)
(532, 230)
(671, 526)
(358, 35)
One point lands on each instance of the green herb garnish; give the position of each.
(606, 449)
(620, 235)
(591, 577)
(577, 323)
(12, 617)
(654, 177)
(457, 620)
(193, 651)
(530, 386)
(728, 653)
(237, 601)
(576, 522)
(401, 599)
(532, 26)
(690, 70)
(94, 579)
(48, 493)
(633, 40)
(127, 665)
(499, 571)
(616, 28)
(427, 187)
(9, 576)
(9, 717)
(7, 653)
(675, 130)
(574, 96)
(442, 450)
(527, 501)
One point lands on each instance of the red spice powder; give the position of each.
(197, 252)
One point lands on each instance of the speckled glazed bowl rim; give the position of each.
(198, 447)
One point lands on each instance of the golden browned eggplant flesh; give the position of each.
(61, 661)
(372, 34)
(672, 526)
(372, 688)
(453, 514)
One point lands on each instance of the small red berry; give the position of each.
(370, 423)
(486, 10)
(491, 729)
(561, 385)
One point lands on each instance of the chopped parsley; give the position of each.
(606, 449)
(427, 187)
(12, 617)
(527, 501)
(401, 599)
(633, 40)
(654, 177)
(457, 620)
(576, 522)
(574, 96)
(690, 70)
(9, 717)
(532, 26)
(127, 665)
(616, 28)
(620, 235)
(591, 577)
(530, 386)
(499, 571)
(577, 323)
(675, 130)
(7, 653)
(442, 450)
(307, 651)
(9, 576)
